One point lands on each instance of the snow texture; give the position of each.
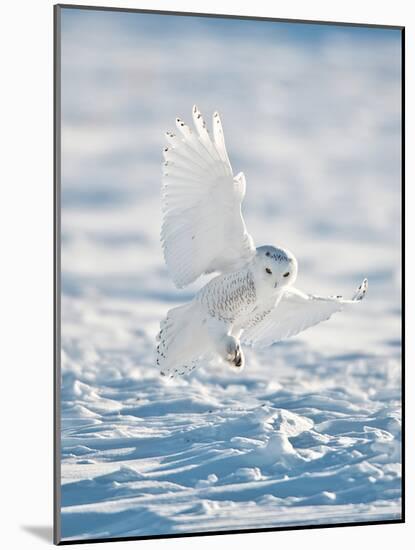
(310, 432)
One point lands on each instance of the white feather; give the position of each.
(295, 312)
(185, 340)
(203, 229)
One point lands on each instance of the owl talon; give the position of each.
(238, 357)
(232, 352)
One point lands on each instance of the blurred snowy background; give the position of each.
(310, 431)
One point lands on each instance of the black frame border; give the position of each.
(57, 275)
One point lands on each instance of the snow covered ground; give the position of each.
(310, 432)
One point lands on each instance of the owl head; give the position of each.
(275, 267)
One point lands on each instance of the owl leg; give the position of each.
(232, 352)
(226, 344)
(239, 358)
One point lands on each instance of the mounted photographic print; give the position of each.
(228, 274)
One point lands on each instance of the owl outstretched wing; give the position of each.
(295, 312)
(203, 229)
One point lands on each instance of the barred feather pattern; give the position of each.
(256, 318)
(172, 357)
(229, 296)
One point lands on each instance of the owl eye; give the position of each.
(267, 269)
(286, 274)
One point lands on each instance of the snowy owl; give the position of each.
(251, 300)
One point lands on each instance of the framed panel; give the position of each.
(197, 389)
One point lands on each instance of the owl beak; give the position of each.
(276, 284)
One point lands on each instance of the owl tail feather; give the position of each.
(181, 341)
